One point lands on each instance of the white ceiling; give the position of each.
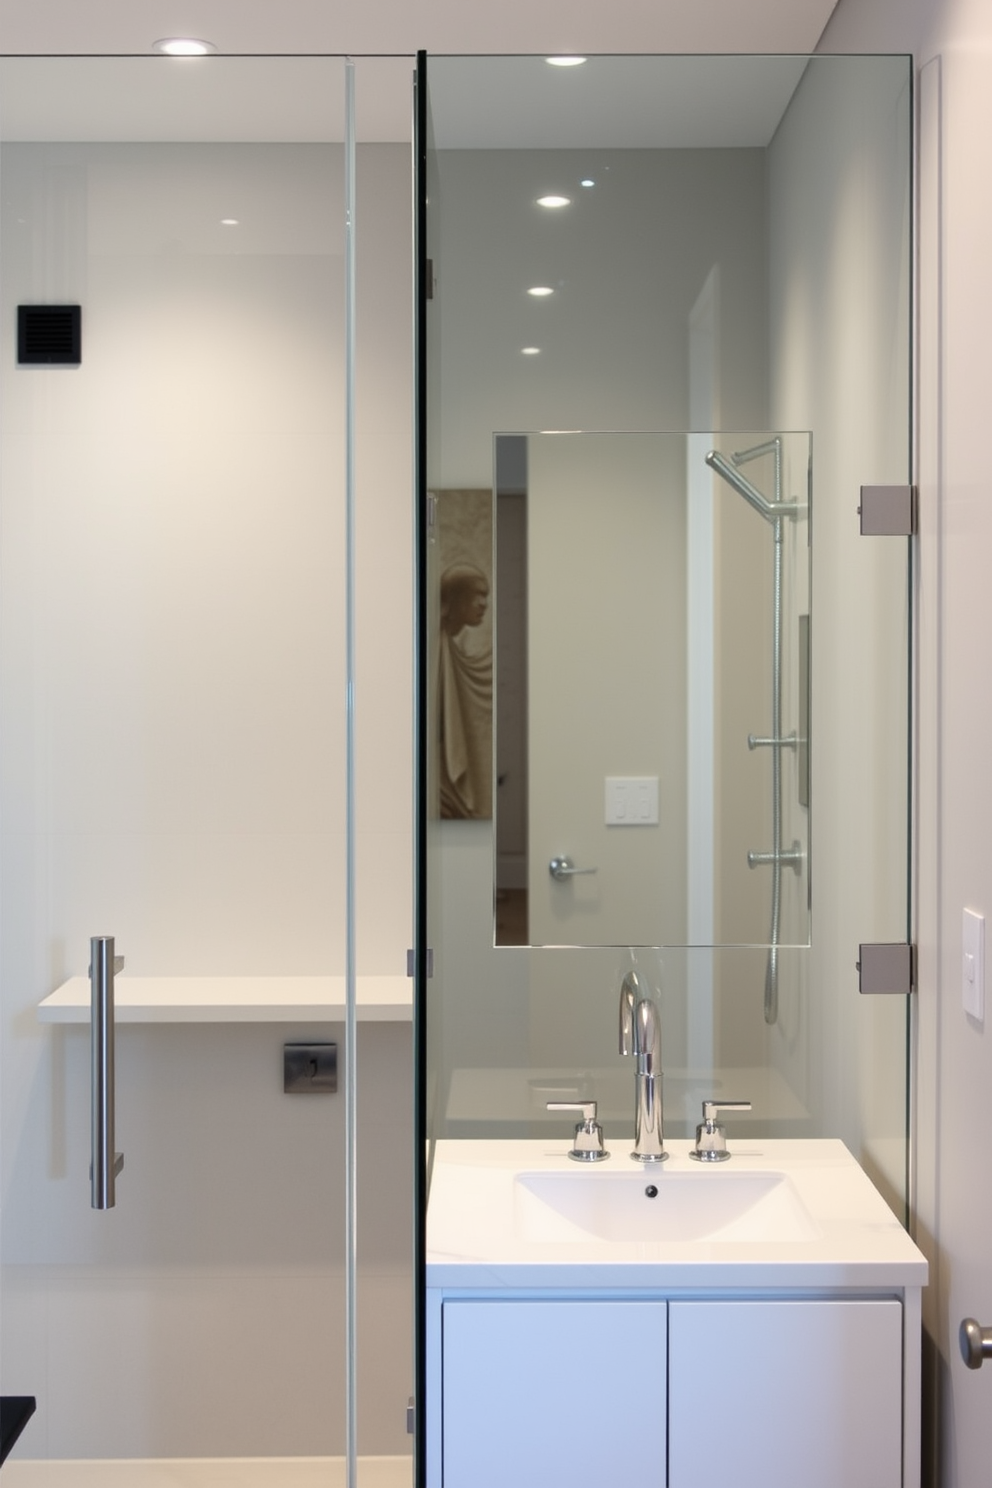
(45, 103)
(391, 26)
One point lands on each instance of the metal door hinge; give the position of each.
(888, 511)
(411, 962)
(411, 1416)
(887, 968)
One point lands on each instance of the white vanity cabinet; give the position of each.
(753, 1325)
(771, 1394)
(669, 1392)
(539, 1393)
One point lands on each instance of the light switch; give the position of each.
(973, 964)
(631, 800)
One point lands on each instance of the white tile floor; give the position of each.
(208, 1472)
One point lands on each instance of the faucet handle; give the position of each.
(711, 1139)
(587, 1145)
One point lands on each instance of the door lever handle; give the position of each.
(562, 869)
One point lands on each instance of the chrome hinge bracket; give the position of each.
(888, 511)
(411, 962)
(411, 1417)
(887, 968)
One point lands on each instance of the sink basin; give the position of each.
(651, 1205)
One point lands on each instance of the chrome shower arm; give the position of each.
(772, 511)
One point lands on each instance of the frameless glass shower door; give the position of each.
(172, 770)
(639, 257)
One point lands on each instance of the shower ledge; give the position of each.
(232, 999)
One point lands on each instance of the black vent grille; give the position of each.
(49, 334)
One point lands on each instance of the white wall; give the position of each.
(952, 42)
(171, 542)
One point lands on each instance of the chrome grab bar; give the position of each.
(105, 1163)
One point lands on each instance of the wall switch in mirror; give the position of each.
(973, 964)
(631, 800)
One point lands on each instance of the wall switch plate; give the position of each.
(973, 964)
(631, 800)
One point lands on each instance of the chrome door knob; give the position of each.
(976, 1343)
(562, 869)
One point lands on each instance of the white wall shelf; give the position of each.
(210, 999)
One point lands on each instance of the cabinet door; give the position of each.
(775, 1394)
(542, 1394)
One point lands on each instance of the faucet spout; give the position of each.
(640, 1039)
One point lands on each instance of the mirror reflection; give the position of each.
(650, 706)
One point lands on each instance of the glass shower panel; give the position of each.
(171, 566)
(639, 245)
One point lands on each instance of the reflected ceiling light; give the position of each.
(540, 291)
(554, 201)
(183, 46)
(229, 222)
(587, 182)
(564, 61)
(530, 351)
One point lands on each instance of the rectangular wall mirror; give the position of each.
(651, 606)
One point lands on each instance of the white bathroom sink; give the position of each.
(783, 1213)
(710, 1203)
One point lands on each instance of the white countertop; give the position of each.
(210, 999)
(474, 1239)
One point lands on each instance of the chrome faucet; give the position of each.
(640, 1037)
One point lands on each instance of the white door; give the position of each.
(606, 608)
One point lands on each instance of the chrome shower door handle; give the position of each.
(105, 1163)
(562, 869)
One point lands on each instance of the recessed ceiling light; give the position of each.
(183, 46)
(554, 201)
(587, 182)
(540, 291)
(229, 222)
(565, 61)
(530, 351)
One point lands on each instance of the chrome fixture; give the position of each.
(975, 1343)
(711, 1139)
(587, 1144)
(562, 869)
(105, 1163)
(640, 1037)
(776, 512)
